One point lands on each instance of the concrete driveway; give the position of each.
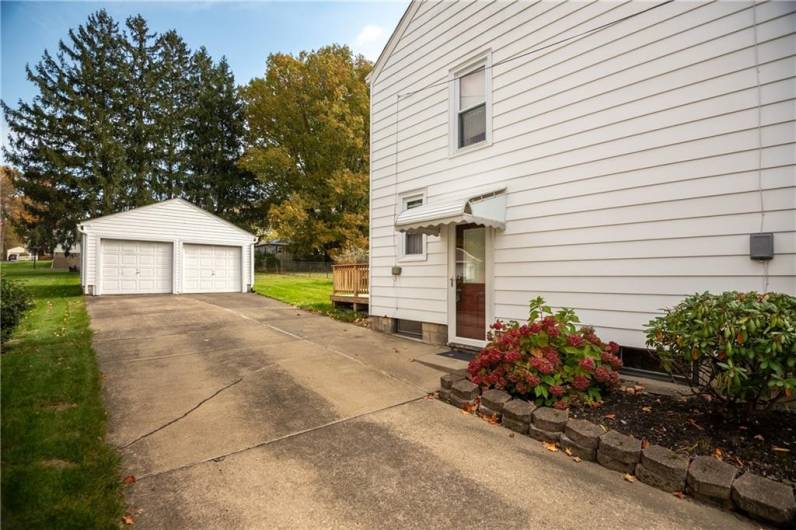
(237, 411)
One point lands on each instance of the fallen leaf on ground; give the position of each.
(759, 437)
(604, 427)
(128, 519)
(645, 443)
(577, 459)
(780, 449)
(718, 454)
(610, 416)
(646, 409)
(695, 424)
(129, 479)
(630, 478)
(550, 446)
(568, 451)
(432, 395)
(679, 494)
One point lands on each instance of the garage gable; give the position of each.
(171, 218)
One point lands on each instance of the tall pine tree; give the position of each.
(173, 107)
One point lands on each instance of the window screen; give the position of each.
(472, 108)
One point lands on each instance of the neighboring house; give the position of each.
(515, 153)
(62, 261)
(167, 247)
(18, 254)
(274, 247)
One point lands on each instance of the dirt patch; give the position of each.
(60, 406)
(57, 463)
(765, 445)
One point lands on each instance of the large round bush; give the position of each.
(14, 301)
(549, 359)
(736, 348)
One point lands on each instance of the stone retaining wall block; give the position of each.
(586, 453)
(447, 380)
(711, 480)
(619, 452)
(583, 433)
(465, 389)
(549, 419)
(461, 403)
(492, 401)
(518, 410)
(445, 395)
(543, 435)
(764, 499)
(662, 468)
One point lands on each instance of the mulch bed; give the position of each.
(765, 445)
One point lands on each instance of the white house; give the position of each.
(167, 247)
(612, 157)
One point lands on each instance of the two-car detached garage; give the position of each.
(168, 247)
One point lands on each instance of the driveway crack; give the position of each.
(189, 411)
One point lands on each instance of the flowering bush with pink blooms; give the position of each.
(549, 359)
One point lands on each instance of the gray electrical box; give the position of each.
(396, 270)
(761, 246)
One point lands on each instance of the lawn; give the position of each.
(57, 471)
(307, 292)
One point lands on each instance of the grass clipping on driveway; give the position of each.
(311, 293)
(57, 471)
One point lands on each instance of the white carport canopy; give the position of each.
(488, 209)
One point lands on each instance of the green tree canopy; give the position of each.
(308, 143)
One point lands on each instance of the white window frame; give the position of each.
(404, 257)
(480, 60)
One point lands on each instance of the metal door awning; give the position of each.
(487, 209)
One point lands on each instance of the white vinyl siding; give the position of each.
(637, 159)
(174, 222)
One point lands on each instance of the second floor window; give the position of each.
(471, 108)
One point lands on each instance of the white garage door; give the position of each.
(135, 267)
(211, 269)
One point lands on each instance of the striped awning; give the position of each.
(487, 209)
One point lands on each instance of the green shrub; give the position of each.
(14, 301)
(549, 359)
(734, 348)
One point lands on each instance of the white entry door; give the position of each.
(135, 267)
(211, 269)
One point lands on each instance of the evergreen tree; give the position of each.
(67, 142)
(172, 112)
(214, 144)
(140, 112)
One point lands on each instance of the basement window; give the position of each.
(409, 328)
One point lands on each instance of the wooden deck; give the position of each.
(350, 284)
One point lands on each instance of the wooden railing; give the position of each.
(350, 280)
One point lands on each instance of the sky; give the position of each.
(244, 32)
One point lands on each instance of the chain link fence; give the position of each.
(303, 268)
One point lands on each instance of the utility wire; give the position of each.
(546, 46)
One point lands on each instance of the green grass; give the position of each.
(57, 471)
(306, 292)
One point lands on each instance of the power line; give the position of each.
(546, 46)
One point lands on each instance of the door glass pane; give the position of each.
(470, 281)
(471, 89)
(472, 126)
